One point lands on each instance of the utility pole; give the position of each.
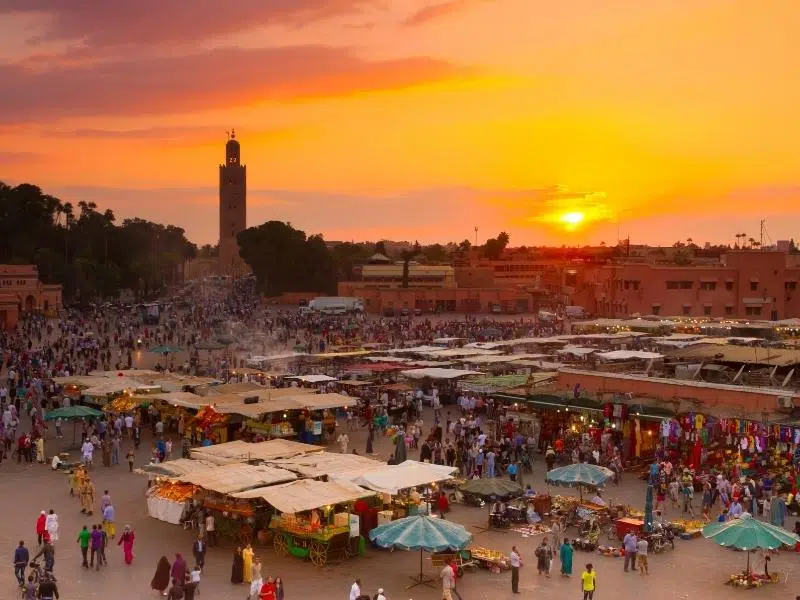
(476, 235)
(761, 238)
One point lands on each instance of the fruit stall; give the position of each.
(494, 560)
(314, 518)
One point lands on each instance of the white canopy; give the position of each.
(455, 352)
(313, 378)
(415, 350)
(629, 354)
(239, 451)
(438, 373)
(577, 350)
(320, 464)
(306, 494)
(390, 479)
(228, 479)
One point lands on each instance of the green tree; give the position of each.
(283, 259)
(494, 247)
(436, 253)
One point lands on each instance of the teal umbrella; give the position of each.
(423, 533)
(579, 475)
(747, 533)
(73, 413)
(165, 350)
(70, 413)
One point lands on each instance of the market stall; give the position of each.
(241, 452)
(325, 464)
(308, 525)
(170, 501)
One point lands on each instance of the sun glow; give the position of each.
(572, 218)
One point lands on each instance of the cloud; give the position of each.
(18, 158)
(215, 79)
(104, 23)
(434, 12)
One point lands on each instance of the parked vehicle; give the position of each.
(336, 305)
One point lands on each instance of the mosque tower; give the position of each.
(232, 206)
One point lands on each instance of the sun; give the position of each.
(572, 218)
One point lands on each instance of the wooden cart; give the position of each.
(318, 547)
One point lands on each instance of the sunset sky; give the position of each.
(559, 122)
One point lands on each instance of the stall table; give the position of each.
(625, 526)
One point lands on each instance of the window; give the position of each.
(729, 285)
(656, 309)
(708, 285)
(707, 311)
(752, 310)
(679, 285)
(753, 286)
(790, 285)
(687, 310)
(728, 310)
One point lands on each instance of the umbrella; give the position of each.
(73, 413)
(70, 413)
(579, 475)
(747, 533)
(491, 486)
(165, 350)
(423, 533)
(226, 339)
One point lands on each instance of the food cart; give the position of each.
(308, 525)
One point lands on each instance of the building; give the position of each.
(232, 208)
(21, 292)
(753, 284)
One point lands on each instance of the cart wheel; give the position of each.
(348, 551)
(279, 544)
(318, 554)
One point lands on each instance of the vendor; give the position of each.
(531, 515)
(416, 498)
(529, 493)
(315, 518)
(598, 499)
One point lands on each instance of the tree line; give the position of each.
(86, 250)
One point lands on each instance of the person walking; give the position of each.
(629, 543)
(160, 581)
(96, 547)
(544, 558)
(84, 537)
(199, 551)
(126, 541)
(49, 552)
(355, 589)
(641, 554)
(51, 524)
(565, 555)
(211, 530)
(247, 564)
(21, 558)
(588, 582)
(41, 527)
(448, 582)
(516, 563)
(109, 516)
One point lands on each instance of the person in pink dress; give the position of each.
(126, 541)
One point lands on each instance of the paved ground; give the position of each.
(695, 570)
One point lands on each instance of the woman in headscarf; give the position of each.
(178, 568)
(51, 524)
(160, 580)
(126, 541)
(237, 569)
(247, 563)
(278, 588)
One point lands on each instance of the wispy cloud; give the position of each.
(209, 80)
(440, 10)
(14, 158)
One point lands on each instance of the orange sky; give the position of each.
(414, 119)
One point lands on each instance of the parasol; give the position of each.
(423, 533)
(165, 350)
(747, 533)
(491, 486)
(579, 475)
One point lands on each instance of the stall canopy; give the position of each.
(629, 355)
(313, 378)
(390, 479)
(239, 451)
(229, 479)
(306, 494)
(415, 350)
(327, 463)
(323, 401)
(183, 399)
(176, 468)
(502, 358)
(438, 373)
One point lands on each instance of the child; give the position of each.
(131, 456)
(169, 449)
(674, 490)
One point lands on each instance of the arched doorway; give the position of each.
(30, 304)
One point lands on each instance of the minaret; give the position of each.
(232, 206)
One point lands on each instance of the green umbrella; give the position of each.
(579, 475)
(165, 350)
(423, 533)
(747, 533)
(491, 486)
(70, 413)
